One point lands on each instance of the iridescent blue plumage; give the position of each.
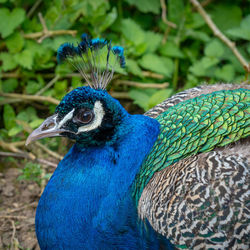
(118, 50)
(65, 51)
(94, 208)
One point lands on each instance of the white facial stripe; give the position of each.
(66, 118)
(99, 114)
(55, 127)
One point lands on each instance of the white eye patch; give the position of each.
(97, 121)
(66, 118)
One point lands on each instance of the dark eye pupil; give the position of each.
(84, 116)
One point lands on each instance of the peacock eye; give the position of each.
(84, 116)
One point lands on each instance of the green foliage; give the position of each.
(10, 20)
(15, 43)
(146, 6)
(158, 64)
(129, 28)
(159, 96)
(170, 49)
(150, 98)
(176, 10)
(242, 31)
(226, 16)
(9, 85)
(33, 172)
(8, 61)
(184, 57)
(9, 116)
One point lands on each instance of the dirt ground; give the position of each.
(18, 201)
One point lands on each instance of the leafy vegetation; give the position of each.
(184, 56)
(34, 172)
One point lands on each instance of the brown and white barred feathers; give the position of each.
(194, 187)
(95, 59)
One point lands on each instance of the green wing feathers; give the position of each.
(194, 126)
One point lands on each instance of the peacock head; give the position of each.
(88, 115)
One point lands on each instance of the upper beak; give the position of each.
(48, 128)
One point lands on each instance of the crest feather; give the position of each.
(95, 59)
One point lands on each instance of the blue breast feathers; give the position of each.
(87, 203)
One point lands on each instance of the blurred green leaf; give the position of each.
(153, 41)
(170, 49)
(9, 85)
(8, 62)
(140, 98)
(192, 81)
(27, 115)
(99, 7)
(159, 96)
(226, 73)
(32, 87)
(76, 82)
(208, 62)
(248, 48)
(200, 68)
(56, 42)
(10, 20)
(37, 49)
(157, 64)
(25, 59)
(15, 43)
(9, 116)
(146, 5)
(199, 35)
(132, 31)
(226, 16)
(214, 49)
(15, 130)
(39, 55)
(63, 69)
(36, 123)
(108, 20)
(132, 67)
(175, 10)
(243, 31)
(23, 116)
(195, 21)
(59, 89)
(139, 49)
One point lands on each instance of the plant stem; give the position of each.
(221, 36)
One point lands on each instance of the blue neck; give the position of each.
(87, 203)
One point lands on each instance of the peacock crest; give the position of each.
(95, 59)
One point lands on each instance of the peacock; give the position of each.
(176, 177)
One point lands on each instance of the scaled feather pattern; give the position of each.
(195, 126)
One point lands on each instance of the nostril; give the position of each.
(48, 126)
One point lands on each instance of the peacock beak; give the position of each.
(49, 128)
